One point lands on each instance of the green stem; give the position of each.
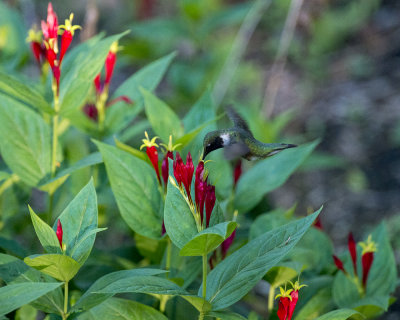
(271, 298)
(169, 252)
(65, 313)
(201, 315)
(8, 183)
(101, 108)
(204, 275)
(163, 303)
(54, 146)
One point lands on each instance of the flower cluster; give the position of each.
(288, 300)
(44, 44)
(96, 110)
(367, 258)
(204, 194)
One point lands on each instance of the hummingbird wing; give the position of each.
(237, 120)
(236, 150)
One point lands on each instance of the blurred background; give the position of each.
(296, 70)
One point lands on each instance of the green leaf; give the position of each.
(135, 152)
(16, 295)
(226, 315)
(14, 270)
(79, 222)
(144, 284)
(18, 91)
(12, 247)
(283, 273)
(341, 314)
(208, 240)
(26, 312)
(320, 303)
(314, 250)
(4, 175)
(135, 187)
(24, 141)
(121, 309)
(239, 272)
(178, 219)
(45, 233)
(163, 120)
(75, 84)
(58, 266)
(90, 160)
(267, 222)
(148, 77)
(199, 303)
(269, 174)
(92, 298)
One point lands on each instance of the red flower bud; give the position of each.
(184, 173)
(152, 153)
(237, 172)
(66, 40)
(59, 233)
(51, 56)
(318, 224)
(109, 64)
(353, 252)
(367, 257)
(165, 166)
(366, 261)
(283, 308)
(163, 230)
(50, 28)
(210, 202)
(97, 84)
(227, 244)
(339, 263)
(91, 111)
(38, 51)
(56, 74)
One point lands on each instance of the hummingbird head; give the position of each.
(213, 141)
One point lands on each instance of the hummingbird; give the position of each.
(238, 141)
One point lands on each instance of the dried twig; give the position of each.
(281, 56)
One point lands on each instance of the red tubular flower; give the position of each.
(97, 84)
(152, 153)
(353, 252)
(339, 264)
(367, 258)
(56, 74)
(165, 166)
(35, 40)
(59, 233)
(110, 62)
(67, 35)
(209, 202)
(227, 244)
(184, 172)
(178, 169)
(237, 172)
(288, 300)
(200, 186)
(50, 28)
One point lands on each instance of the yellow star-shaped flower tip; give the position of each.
(149, 143)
